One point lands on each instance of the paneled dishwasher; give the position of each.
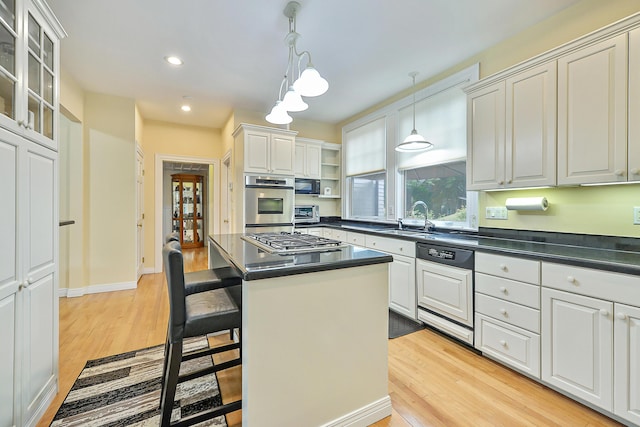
(444, 281)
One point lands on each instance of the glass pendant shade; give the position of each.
(414, 142)
(311, 83)
(278, 115)
(292, 101)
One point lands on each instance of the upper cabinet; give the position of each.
(512, 131)
(517, 138)
(265, 150)
(307, 160)
(592, 113)
(634, 107)
(29, 70)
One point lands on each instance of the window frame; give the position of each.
(394, 181)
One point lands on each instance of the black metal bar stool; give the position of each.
(194, 315)
(206, 280)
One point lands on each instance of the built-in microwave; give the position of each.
(307, 186)
(306, 214)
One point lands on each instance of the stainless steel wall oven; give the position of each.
(268, 203)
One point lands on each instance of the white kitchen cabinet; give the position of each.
(634, 107)
(402, 273)
(485, 137)
(307, 158)
(530, 146)
(507, 327)
(30, 70)
(265, 150)
(512, 131)
(577, 346)
(592, 113)
(28, 276)
(627, 362)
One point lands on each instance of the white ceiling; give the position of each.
(235, 55)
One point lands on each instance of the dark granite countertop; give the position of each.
(254, 263)
(618, 254)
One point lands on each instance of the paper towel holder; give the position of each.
(527, 204)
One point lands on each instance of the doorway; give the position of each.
(165, 166)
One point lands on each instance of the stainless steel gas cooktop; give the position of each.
(291, 243)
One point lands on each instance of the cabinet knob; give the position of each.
(21, 287)
(503, 311)
(373, 244)
(571, 279)
(30, 280)
(634, 171)
(509, 181)
(619, 172)
(621, 316)
(503, 343)
(500, 182)
(503, 267)
(604, 312)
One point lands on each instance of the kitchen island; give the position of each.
(314, 334)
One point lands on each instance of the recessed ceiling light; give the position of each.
(185, 108)
(173, 60)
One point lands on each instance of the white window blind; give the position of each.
(441, 119)
(365, 148)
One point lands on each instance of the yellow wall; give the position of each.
(603, 210)
(109, 136)
(590, 210)
(71, 96)
(170, 139)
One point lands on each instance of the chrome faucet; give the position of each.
(428, 225)
(400, 223)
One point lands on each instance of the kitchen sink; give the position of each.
(405, 232)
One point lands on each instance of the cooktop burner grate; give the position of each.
(292, 242)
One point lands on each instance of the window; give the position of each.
(443, 189)
(367, 195)
(365, 166)
(383, 185)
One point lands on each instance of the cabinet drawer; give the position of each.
(357, 239)
(394, 246)
(524, 270)
(617, 287)
(508, 344)
(508, 312)
(331, 233)
(508, 290)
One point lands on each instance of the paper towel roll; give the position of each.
(527, 204)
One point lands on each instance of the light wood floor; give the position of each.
(432, 380)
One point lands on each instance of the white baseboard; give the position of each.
(150, 270)
(365, 416)
(95, 289)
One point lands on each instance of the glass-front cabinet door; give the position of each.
(8, 75)
(29, 69)
(188, 209)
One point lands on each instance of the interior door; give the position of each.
(139, 210)
(225, 196)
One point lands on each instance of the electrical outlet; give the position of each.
(496, 212)
(636, 215)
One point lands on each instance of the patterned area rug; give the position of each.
(124, 390)
(400, 325)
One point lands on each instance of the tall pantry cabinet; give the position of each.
(29, 72)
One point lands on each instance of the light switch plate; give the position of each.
(636, 215)
(496, 212)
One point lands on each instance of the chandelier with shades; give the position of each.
(307, 83)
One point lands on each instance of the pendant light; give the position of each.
(414, 142)
(309, 82)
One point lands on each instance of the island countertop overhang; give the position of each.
(253, 263)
